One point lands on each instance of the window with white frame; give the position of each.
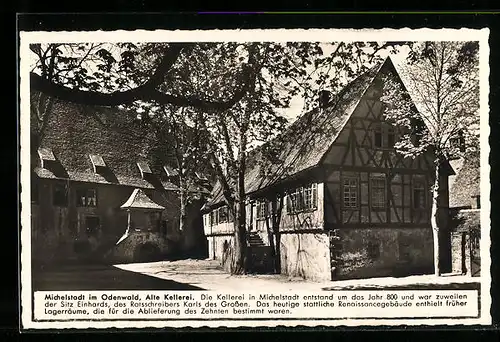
(303, 198)
(350, 192)
(378, 192)
(86, 197)
(261, 210)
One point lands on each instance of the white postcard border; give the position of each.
(281, 35)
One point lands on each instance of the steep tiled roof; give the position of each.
(306, 141)
(466, 183)
(100, 179)
(74, 133)
(139, 200)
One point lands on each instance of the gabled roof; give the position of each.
(303, 145)
(83, 137)
(139, 200)
(465, 185)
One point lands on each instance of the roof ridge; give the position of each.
(304, 147)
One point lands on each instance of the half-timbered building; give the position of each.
(332, 199)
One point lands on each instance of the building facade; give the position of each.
(465, 212)
(337, 201)
(85, 166)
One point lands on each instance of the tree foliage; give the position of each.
(442, 78)
(235, 93)
(439, 111)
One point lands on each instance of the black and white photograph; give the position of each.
(254, 177)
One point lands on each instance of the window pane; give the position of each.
(351, 192)
(378, 192)
(390, 139)
(377, 137)
(419, 194)
(86, 197)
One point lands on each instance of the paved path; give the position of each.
(207, 274)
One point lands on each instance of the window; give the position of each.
(417, 132)
(303, 198)
(373, 250)
(86, 198)
(46, 156)
(378, 192)
(60, 195)
(418, 194)
(223, 214)
(391, 137)
(98, 163)
(263, 209)
(93, 226)
(171, 172)
(144, 168)
(350, 192)
(378, 137)
(384, 136)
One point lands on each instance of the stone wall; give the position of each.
(379, 252)
(59, 232)
(460, 253)
(220, 248)
(305, 255)
(260, 260)
(139, 246)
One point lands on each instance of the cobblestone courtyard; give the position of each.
(208, 275)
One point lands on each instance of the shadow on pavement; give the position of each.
(100, 277)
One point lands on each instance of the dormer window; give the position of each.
(144, 168)
(98, 163)
(171, 173)
(46, 156)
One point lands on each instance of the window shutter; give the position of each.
(315, 195)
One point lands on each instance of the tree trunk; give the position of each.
(277, 209)
(239, 264)
(183, 200)
(182, 218)
(270, 235)
(435, 220)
